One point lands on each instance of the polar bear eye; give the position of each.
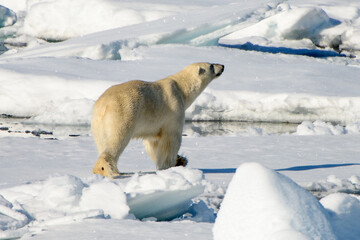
(102, 168)
(201, 71)
(212, 68)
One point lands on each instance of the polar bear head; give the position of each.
(194, 78)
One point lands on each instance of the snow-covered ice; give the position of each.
(302, 30)
(65, 199)
(300, 117)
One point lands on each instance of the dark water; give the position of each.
(20, 127)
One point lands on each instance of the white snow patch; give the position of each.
(263, 204)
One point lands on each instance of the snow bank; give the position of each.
(291, 24)
(50, 99)
(263, 107)
(64, 19)
(325, 128)
(300, 28)
(344, 214)
(66, 199)
(263, 204)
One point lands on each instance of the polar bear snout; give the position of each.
(218, 69)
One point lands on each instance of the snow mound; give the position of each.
(325, 128)
(7, 17)
(67, 199)
(263, 204)
(345, 214)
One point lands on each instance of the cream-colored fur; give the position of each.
(152, 111)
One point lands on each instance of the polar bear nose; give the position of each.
(219, 69)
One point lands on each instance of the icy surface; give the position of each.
(7, 17)
(263, 204)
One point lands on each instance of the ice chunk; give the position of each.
(164, 195)
(12, 220)
(7, 17)
(163, 205)
(263, 204)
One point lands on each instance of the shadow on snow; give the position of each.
(296, 168)
(317, 53)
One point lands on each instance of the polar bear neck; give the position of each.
(191, 85)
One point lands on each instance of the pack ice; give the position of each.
(66, 199)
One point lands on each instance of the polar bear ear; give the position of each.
(201, 71)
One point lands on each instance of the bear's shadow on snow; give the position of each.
(317, 53)
(295, 168)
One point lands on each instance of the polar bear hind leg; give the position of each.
(111, 138)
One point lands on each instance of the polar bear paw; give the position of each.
(181, 161)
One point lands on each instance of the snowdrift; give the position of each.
(67, 199)
(263, 204)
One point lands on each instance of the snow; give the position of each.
(46, 19)
(300, 23)
(301, 27)
(62, 91)
(263, 204)
(66, 199)
(291, 103)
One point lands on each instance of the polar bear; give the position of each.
(152, 111)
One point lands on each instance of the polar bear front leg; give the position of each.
(163, 149)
